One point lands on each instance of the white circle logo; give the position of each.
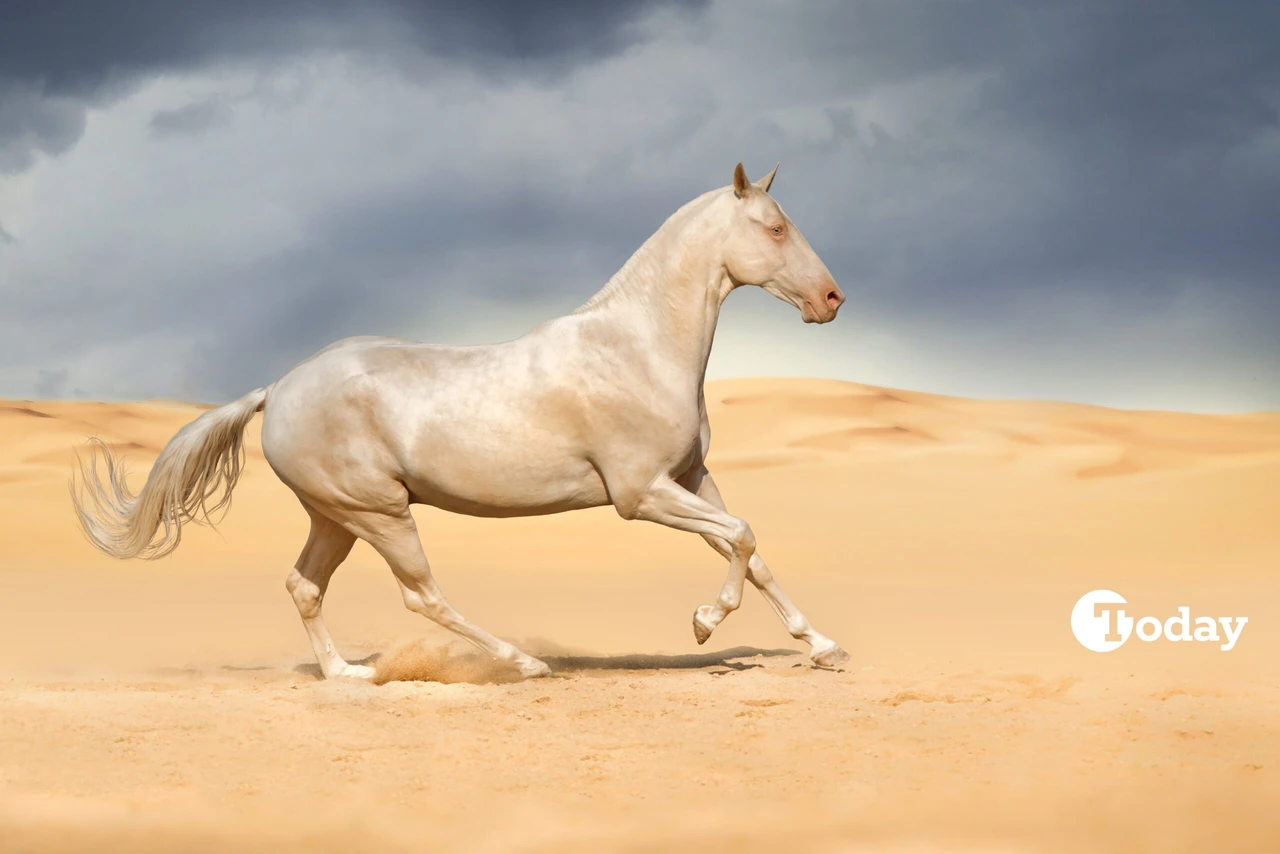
(1098, 623)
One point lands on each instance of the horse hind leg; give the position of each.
(327, 546)
(395, 537)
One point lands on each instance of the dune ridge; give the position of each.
(765, 422)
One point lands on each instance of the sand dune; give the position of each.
(943, 541)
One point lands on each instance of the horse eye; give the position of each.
(777, 229)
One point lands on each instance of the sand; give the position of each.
(175, 705)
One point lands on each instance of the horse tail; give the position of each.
(192, 478)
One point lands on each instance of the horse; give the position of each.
(604, 406)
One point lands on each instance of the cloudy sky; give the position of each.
(1074, 201)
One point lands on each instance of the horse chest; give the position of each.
(653, 441)
(683, 445)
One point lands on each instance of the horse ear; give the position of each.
(767, 181)
(740, 182)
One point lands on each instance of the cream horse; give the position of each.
(603, 406)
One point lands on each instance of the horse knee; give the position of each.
(742, 539)
(306, 594)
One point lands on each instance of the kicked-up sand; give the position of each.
(175, 705)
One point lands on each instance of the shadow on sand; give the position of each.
(641, 661)
(450, 664)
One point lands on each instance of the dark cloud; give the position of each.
(1103, 137)
(30, 122)
(58, 58)
(78, 48)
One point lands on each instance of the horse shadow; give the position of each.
(731, 659)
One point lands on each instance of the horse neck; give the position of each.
(670, 291)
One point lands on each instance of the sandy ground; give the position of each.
(175, 705)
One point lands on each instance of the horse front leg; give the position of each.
(668, 503)
(822, 650)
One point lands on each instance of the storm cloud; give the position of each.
(1021, 200)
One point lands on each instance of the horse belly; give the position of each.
(461, 480)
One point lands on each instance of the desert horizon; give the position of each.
(942, 541)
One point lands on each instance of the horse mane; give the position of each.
(643, 263)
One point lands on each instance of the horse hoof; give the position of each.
(534, 669)
(355, 671)
(831, 657)
(702, 624)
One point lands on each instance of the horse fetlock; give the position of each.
(801, 630)
(729, 601)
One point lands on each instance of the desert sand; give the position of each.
(175, 705)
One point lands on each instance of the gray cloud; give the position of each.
(58, 59)
(1021, 199)
(51, 383)
(192, 118)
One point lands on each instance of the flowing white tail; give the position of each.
(201, 464)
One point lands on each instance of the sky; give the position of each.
(1072, 201)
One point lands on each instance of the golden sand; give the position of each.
(175, 705)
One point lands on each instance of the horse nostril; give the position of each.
(834, 299)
